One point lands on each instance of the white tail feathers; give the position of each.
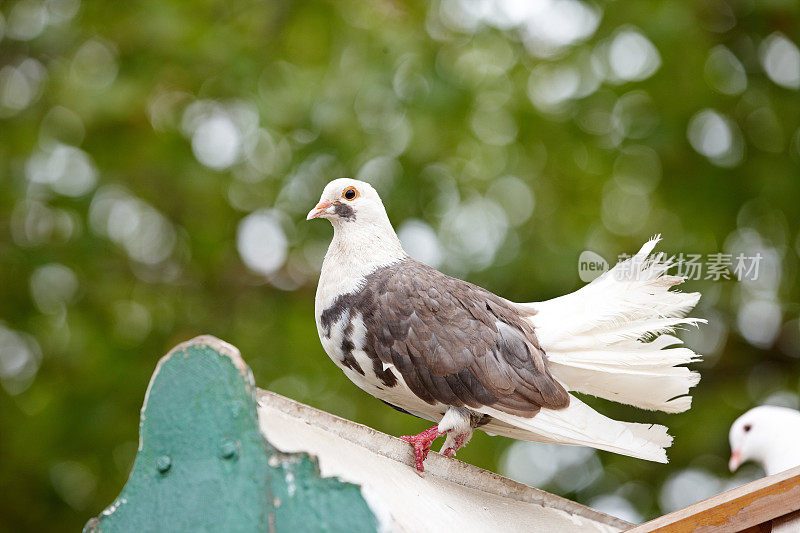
(581, 425)
(604, 339)
(612, 339)
(641, 374)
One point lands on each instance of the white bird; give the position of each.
(768, 435)
(451, 352)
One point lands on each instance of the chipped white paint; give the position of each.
(451, 495)
(291, 488)
(111, 509)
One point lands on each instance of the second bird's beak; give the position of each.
(735, 460)
(321, 209)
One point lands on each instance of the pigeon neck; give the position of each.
(363, 247)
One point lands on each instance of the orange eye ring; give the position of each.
(350, 193)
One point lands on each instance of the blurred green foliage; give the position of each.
(157, 159)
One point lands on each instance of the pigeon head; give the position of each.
(347, 200)
(760, 435)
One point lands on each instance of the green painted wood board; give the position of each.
(203, 464)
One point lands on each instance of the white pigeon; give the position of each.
(768, 435)
(451, 352)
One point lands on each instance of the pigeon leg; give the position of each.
(454, 442)
(456, 423)
(422, 444)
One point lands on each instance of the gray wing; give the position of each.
(456, 343)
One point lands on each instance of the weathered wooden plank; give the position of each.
(737, 510)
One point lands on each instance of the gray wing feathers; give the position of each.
(456, 343)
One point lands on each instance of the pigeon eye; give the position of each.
(350, 193)
(747, 428)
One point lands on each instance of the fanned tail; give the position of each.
(612, 339)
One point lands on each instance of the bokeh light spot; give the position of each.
(27, 20)
(724, 72)
(20, 356)
(759, 321)
(53, 287)
(216, 142)
(687, 487)
(95, 64)
(66, 169)
(781, 60)
(716, 137)
(631, 56)
(420, 242)
(261, 241)
(20, 86)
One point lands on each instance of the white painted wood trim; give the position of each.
(451, 494)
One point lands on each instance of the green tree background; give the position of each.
(157, 159)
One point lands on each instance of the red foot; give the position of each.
(459, 441)
(422, 444)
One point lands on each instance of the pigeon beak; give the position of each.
(321, 209)
(735, 461)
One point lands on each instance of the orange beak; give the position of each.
(321, 209)
(735, 460)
